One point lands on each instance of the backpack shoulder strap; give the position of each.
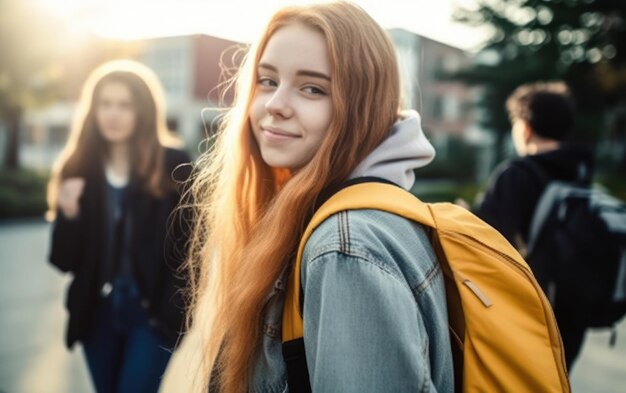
(544, 204)
(359, 196)
(328, 193)
(553, 193)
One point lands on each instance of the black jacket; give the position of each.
(158, 241)
(514, 189)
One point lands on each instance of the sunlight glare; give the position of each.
(138, 19)
(66, 8)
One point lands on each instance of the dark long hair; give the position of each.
(86, 149)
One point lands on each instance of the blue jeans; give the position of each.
(124, 353)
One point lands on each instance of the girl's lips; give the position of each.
(277, 134)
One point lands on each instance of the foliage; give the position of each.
(28, 43)
(42, 61)
(579, 41)
(29, 40)
(446, 191)
(615, 183)
(451, 190)
(22, 194)
(457, 161)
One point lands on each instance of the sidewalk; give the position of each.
(33, 358)
(601, 368)
(32, 322)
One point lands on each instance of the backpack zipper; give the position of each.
(480, 294)
(475, 289)
(521, 269)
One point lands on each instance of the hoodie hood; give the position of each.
(405, 149)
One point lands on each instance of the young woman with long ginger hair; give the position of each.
(317, 103)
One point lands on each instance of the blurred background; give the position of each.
(459, 61)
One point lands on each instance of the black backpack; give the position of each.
(577, 242)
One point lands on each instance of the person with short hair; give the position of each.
(542, 116)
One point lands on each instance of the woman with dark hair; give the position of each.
(111, 196)
(317, 104)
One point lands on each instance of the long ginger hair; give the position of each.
(87, 149)
(249, 216)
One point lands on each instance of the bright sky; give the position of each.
(242, 20)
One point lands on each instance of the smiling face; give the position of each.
(115, 112)
(292, 107)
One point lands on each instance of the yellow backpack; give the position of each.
(503, 332)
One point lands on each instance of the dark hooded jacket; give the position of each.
(514, 189)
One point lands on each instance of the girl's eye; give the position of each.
(314, 90)
(267, 82)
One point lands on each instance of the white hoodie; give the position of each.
(405, 149)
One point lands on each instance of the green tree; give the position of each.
(579, 41)
(30, 73)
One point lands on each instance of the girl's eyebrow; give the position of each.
(311, 73)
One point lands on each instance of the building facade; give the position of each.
(193, 70)
(445, 105)
(189, 67)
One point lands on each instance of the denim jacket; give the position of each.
(375, 317)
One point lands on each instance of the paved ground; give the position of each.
(34, 360)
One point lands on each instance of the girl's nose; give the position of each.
(279, 104)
